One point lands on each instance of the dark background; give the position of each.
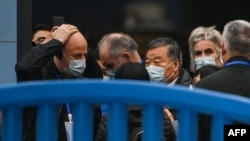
(173, 18)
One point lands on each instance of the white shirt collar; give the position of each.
(173, 82)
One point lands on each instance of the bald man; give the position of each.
(63, 57)
(30, 66)
(65, 52)
(71, 61)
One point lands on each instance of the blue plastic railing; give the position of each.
(46, 95)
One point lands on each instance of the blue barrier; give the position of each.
(117, 94)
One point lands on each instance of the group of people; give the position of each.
(217, 62)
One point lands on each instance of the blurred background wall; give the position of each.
(144, 20)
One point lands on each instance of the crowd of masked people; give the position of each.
(218, 61)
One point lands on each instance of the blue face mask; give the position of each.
(76, 68)
(156, 73)
(203, 61)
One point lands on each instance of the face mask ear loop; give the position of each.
(66, 57)
(67, 60)
(220, 57)
(167, 78)
(168, 65)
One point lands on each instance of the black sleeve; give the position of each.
(168, 129)
(101, 133)
(204, 120)
(33, 61)
(204, 127)
(97, 118)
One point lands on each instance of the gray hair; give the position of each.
(174, 50)
(236, 36)
(203, 33)
(118, 43)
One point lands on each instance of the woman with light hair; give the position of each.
(205, 47)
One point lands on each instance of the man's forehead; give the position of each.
(104, 48)
(41, 33)
(157, 52)
(104, 53)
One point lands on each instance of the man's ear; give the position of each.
(223, 48)
(224, 52)
(126, 56)
(176, 64)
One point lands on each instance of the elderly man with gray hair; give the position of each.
(116, 49)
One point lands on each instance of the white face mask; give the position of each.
(76, 67)
(203, 61)
(156, 73)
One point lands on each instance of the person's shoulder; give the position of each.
(210, 80)
(187, 72)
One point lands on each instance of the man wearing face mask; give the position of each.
(63, 57)
(71, 60)
(205, 48)
(116, 49)
(164, 63)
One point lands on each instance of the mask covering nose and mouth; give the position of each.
(203, 61)
(76, 67)
(156, 73)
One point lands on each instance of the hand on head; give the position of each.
(63, 32)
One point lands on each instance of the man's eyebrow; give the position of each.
(208, 49)
(157, 57)
(109, 65)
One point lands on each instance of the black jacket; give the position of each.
(234, 79)
(134, 121)
(38, 64)
(185, 78)
(231, 79)
(29, 67)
